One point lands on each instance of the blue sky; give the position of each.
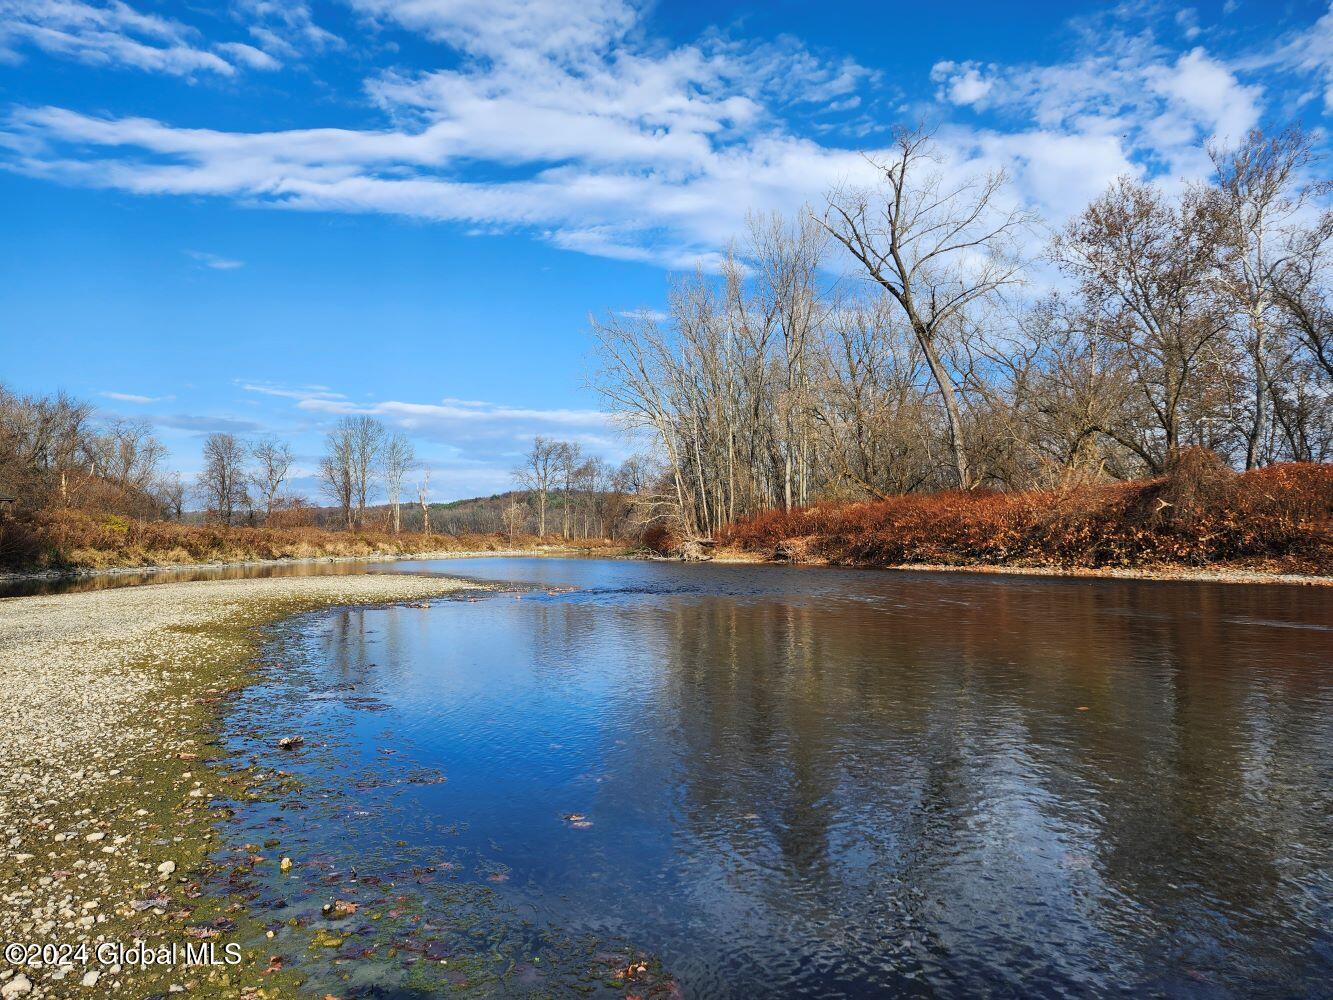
(260, 215)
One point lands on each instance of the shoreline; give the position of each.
(112, 779)
(1165, 574)
(93, 572)
(1159, 574)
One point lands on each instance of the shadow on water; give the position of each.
(800, 782)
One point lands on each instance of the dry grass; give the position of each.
(1201, 514)
(75, 539)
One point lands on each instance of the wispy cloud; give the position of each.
(115, 33)
(202, 424)
(572, 123)
(133, 397)
(290, 392)
(614, 145)
(425, 414)
(111, 33)
(215, 262)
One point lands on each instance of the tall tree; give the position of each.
(396, 458)
(337, 471)
(221, 484)
(272, 462)
(936, 246)
(423, 498)
(1260, 194)
(1147, 273)
(539, 473)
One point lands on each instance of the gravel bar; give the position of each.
(111, 702)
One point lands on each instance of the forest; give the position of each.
(1150, 382)
(928, 334)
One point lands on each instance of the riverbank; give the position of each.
(597, 547)
(66, 541)
(1199, 522)
(1182, 574)
(112, 701)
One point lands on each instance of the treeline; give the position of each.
(82, 488)
(55, 452)
(584, 494)
(1197, 318)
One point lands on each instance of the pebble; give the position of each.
(107, 705)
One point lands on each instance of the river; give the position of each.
(726, 781)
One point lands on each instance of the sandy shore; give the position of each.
(110, 700)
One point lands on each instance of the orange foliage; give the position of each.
(1199, 514)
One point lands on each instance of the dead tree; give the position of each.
(936, 246)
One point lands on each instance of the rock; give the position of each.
(285, 864)
(291, 742)
(16, 987)
(93, 838)
(166, 868)
(90, 978)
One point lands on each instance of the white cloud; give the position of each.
(213, 261)
(419, 415)
(569, 123)
(503, 28)
(249, 55)
(1120, 88)
(1208, 93)
(963, 83)
(284, 29)
(133, 397)
(112, 33)
(1308, 54)
(291, 392)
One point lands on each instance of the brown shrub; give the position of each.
(1200, 513)
(72, 538)
(659, 538)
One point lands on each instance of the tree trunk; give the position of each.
(1260, 396)
(955, 417)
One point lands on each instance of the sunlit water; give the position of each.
(802, 782)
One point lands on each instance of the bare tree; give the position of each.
(1147, 276)
(128, 455)
(352, 451)
(423, 498)
(221, 484)
(336, 471)
(515, 516)
(936, 247)
(568, 457)
(272, 464)
(1259, 194)
(539, 475)
(171, 495)
(396, 458)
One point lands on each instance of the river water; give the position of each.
(762, 781)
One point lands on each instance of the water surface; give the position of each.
(777, 782)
